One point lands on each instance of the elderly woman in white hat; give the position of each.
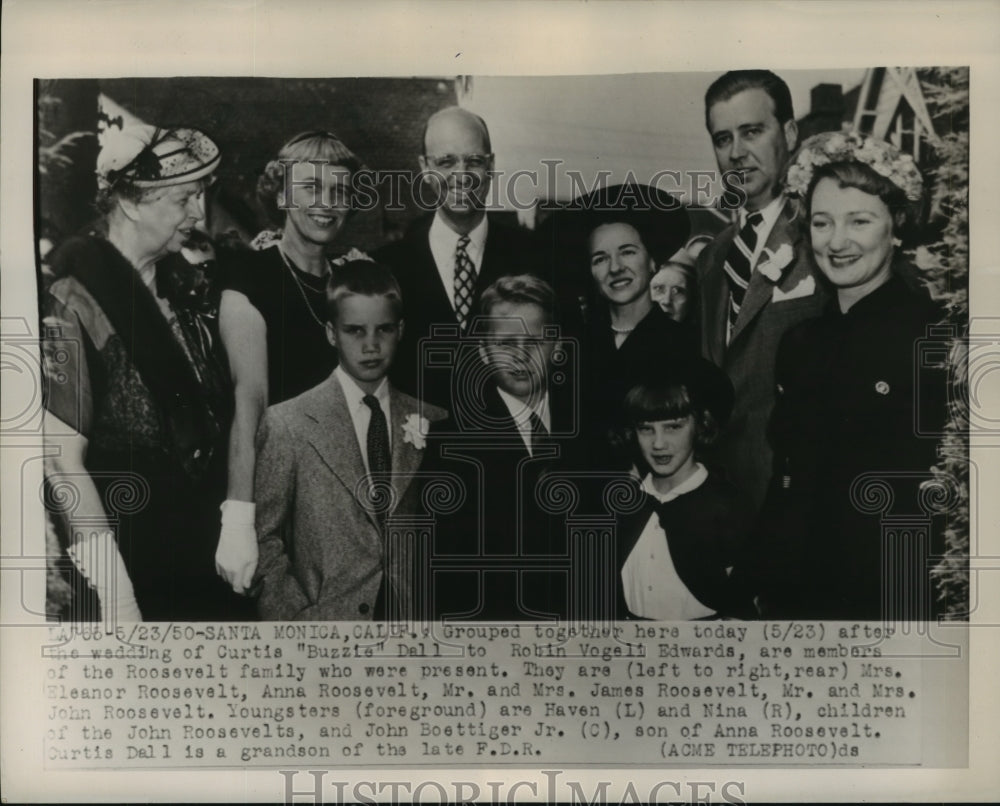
(130, 404)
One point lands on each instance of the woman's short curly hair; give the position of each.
(107, 197)
(310, 145)
(907, 215)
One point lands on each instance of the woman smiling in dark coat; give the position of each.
(852, 402)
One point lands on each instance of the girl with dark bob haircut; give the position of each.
(676, 551)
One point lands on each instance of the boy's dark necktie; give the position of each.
(465, 280)
(379, 458)
(379, 464)
(738, 264)
(540, 437)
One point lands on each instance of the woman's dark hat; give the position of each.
(658, 216)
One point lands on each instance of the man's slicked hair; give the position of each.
(737, 81)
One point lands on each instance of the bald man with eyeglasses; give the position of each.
(447, 258)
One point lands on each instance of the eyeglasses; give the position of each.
(448, 162)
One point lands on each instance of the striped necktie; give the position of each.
(465, 280)
(739, 266)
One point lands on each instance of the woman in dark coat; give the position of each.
(136, 397)
(851, 401)
(625, 232)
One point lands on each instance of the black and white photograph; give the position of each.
(371, 426)
(326, 347)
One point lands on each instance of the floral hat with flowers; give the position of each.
(882, 157)
(147, 156)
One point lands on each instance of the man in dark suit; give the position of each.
(446, 260)
(501, 440)
(756, 277)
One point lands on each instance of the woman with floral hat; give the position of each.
(854, 425)
(272, 316)
(135, 394)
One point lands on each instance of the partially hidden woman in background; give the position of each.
(845, 425)
(272, 316)
(674, 288)
(136, 398)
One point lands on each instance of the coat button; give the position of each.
(363, 608)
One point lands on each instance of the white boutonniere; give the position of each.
(775, 263)
(805, 288)
(415, 430)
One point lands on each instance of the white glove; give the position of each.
(95, 554)
(236, 555)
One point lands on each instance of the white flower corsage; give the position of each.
(415, 430)
(776, 262)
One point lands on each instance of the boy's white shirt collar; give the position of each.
(443, 242)
(521, 414)
(692, 482)
(360, 413)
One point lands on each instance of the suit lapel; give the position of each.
(331, 434)
(502, 423)
(715, 299)
(491, 256)
(433, 294)
(563, 408)
(406, 458)
(760, 289)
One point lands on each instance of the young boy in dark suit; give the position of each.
(510, 426)
(334, 463)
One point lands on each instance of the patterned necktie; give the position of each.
(738, 265)
(465, 280)
(539, 434)
(379, 460)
